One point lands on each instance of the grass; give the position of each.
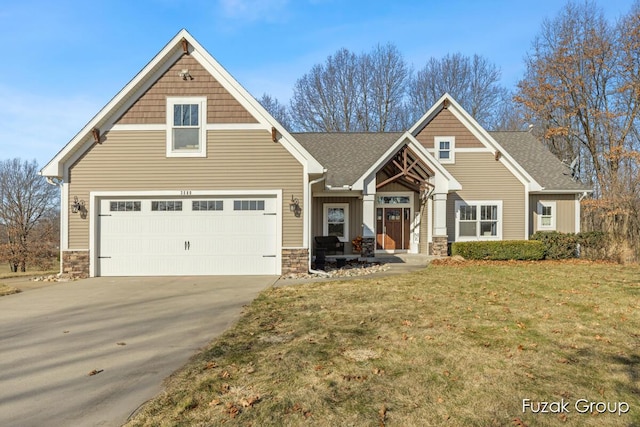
(6, 273)
(458, 345)
(8, 290)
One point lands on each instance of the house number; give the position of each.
(185, 192)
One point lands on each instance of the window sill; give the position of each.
(186, 154)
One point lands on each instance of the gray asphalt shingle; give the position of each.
(538, 161)
(347, 156)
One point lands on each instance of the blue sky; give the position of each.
(64, 60)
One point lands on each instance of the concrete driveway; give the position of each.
(133, 331)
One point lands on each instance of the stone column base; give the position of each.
(368, 247)
(439, 246)
(75, 263)
(295, 261)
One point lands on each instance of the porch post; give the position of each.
(368, 225)
(439, 247)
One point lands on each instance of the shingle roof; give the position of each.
(538, 161)
(347, 156)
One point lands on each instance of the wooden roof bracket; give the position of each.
(274, 134)
(185, 46)
(95, 132)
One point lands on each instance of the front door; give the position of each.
(393, 226)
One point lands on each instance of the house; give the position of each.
(183, 172)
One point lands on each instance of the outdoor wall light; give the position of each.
(185, 75)
(294, 206)
(77, 205)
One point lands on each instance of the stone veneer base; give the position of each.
(295, 261)
(75, 263)
(439, 246)
(368, 247)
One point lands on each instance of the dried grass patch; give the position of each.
(8, 290)
(450, 345)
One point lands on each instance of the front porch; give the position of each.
(392, 214)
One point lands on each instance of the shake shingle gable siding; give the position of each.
(538, 161)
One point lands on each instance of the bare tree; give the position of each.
(383, 81)
(473, 81)
(326, 98)
(581, 89)
(26, 200)
(352, 93)
(276, 109)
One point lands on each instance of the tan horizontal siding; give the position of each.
(565, 207)
(355, 217)
(483, 178)
(151, 107)
(446, 124)
(236, 160)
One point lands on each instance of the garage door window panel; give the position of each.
(207, 205)
(125, 206)
(166, 205)
(248, 205)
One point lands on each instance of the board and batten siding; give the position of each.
(565, 215)
(355, 217)
(484, 178)
(236, 160)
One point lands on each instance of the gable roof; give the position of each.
(447, 102)
(541, 164)
(350, 157)
(107, 116)
(347, 156)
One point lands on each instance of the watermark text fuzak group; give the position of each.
(580, 406)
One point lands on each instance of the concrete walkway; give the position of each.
(131, 332)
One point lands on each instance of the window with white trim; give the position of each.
(444, 147)
(186, 130)
(546, 215)
(336, 220)
(478, 220)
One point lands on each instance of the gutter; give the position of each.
(315, 181)
(583, 195)
(331, 188)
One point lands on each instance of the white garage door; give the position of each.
(187, 236)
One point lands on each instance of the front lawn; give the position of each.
(462, 344)
(5, 272)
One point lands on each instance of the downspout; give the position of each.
(58, 183)
(315, 181)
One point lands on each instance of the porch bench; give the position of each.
(329, 244)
